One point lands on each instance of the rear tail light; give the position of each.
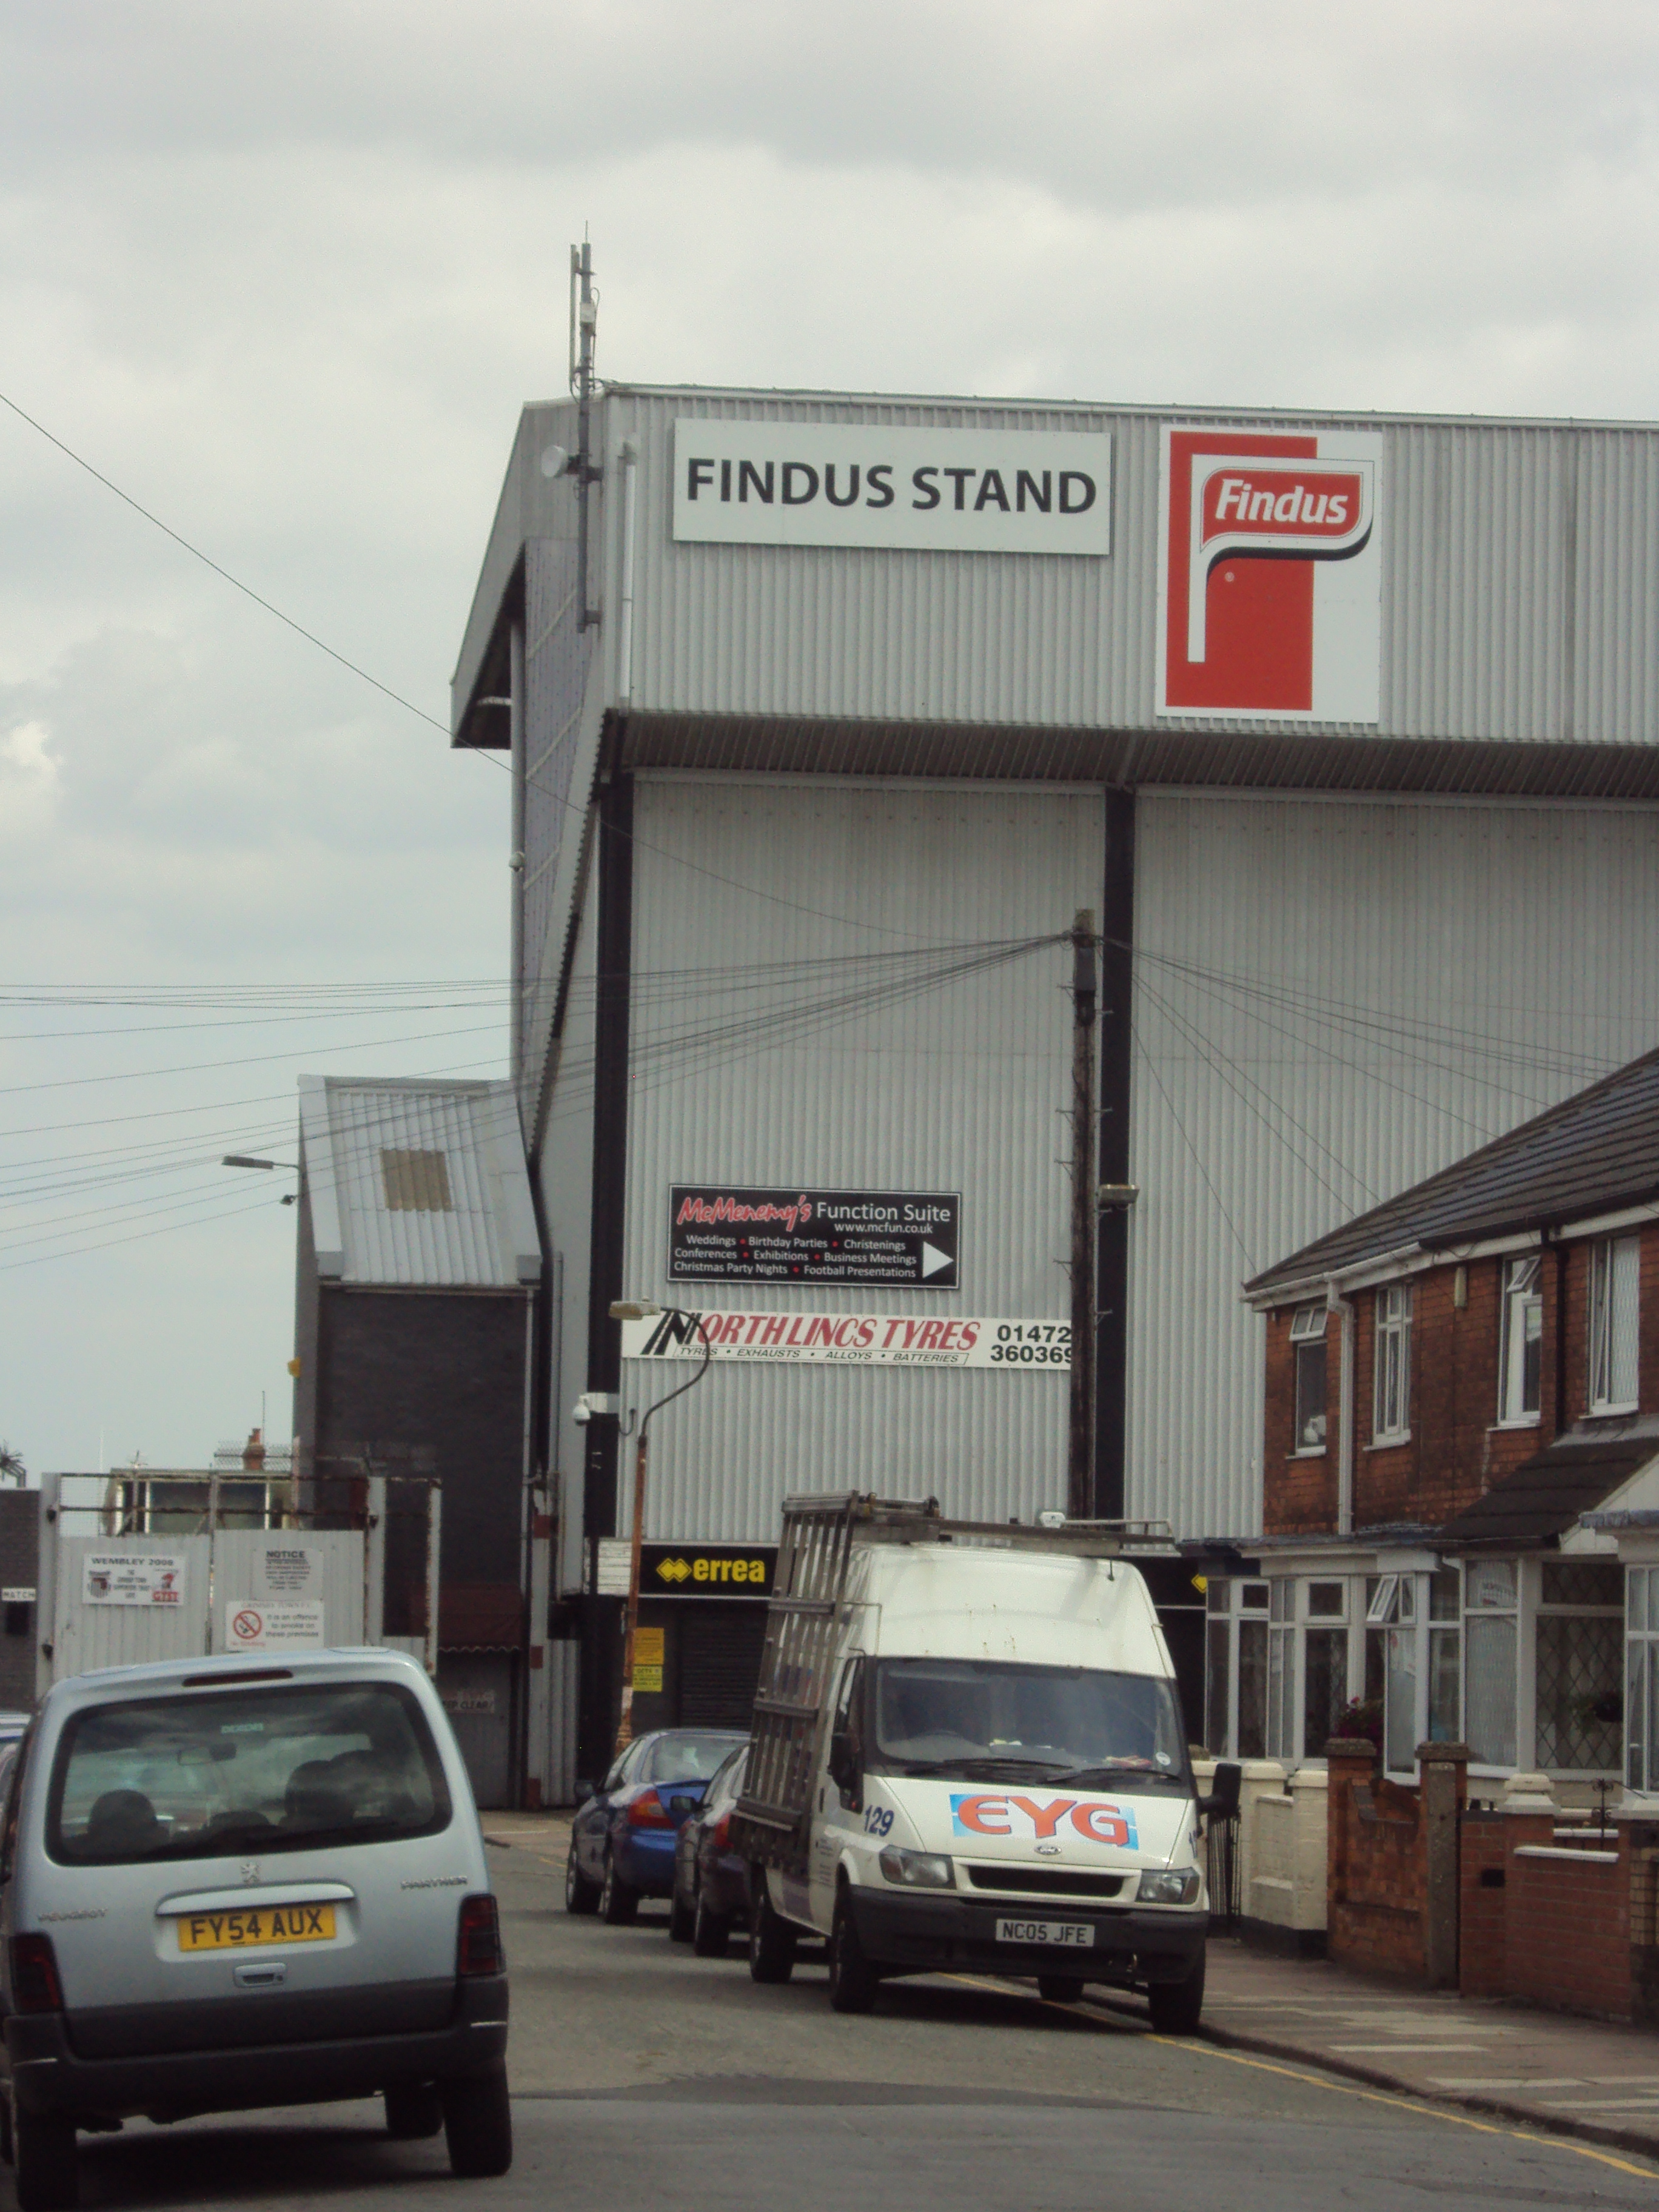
(34, 1984)
(478, 1947)
(722, 1832)
(647, 1811)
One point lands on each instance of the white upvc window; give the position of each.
(1641, 1679)
(1413, 1647)
(1521, 1340)
(1236, 1669)
(1392, 1418)
(1491, 1605)
(1308, 1353)
(1615, 1276)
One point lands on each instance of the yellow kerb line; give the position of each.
(1322, 2081)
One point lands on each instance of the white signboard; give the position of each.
(291, 1569)
(843, 1339)
(289, 1624)
(959, 491)
(133, 1579)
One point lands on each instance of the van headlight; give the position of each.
(918, 1870)
(1176, 1886)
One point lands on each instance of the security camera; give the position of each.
(582, 1414)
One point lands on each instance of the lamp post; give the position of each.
(632, 1310)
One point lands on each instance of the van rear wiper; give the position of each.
(975, 1770)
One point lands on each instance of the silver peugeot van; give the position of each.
(242, 1882)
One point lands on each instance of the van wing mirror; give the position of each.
(843, 1763)
(1222, 1802)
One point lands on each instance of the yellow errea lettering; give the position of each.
(725, 1569)
(757, 1570)
(700, 1571)
(739, 1571)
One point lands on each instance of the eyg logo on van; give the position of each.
(977, 1814)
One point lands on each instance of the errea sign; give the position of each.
(959, 491)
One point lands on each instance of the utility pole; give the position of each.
(1080, 1452)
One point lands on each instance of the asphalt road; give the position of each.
(639, 2070)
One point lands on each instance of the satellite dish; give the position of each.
(555, 460)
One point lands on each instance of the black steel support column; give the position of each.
(613, 955)
(1112, 1248)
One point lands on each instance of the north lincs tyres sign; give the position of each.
(726, 1233)
(959, 491)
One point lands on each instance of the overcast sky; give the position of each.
(286, 273)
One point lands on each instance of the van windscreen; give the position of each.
(234, 1772)
(989, 1716)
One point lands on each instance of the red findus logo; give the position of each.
(1257, 619)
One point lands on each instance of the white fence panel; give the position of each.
(287, 1588)
(97, 1622)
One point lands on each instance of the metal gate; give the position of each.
(111, 1595)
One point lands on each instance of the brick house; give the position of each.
(1461, 1466)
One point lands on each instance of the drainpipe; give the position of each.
(1343, 1308)
(629, 455)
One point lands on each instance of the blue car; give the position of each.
(623, 1839)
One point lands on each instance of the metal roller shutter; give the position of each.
(720, 1664)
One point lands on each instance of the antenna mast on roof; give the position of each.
(584, 318)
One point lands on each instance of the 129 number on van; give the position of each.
(877, 1820)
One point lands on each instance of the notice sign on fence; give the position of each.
(725, 1233)
(133, 1579)
(842, 1339)
(294, 1624)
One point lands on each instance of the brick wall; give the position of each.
(1482, 1905)
(1455, 1452)
(1377, 1885)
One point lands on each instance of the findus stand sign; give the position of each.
(898, 1240)
(878, 485)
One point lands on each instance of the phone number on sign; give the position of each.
(1032, 1343)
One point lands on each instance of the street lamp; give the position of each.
(638, 1310)
(243, 1160)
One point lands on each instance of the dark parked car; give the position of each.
(711, 1881)
(621, 1841)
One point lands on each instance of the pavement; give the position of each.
(1592, 2079)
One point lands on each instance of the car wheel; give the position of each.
(48, 2171)
(413, 2111)
(580, 1895)
(1059, 1988)
(1176, 2006)
(709, 1932)
(771, 1937)
(682, 1919)
(853, 1980)
(478, 2124)
(618, 1900)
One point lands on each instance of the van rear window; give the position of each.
(238, 1773)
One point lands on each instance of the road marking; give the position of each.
(1511, 2082)
(1321, 2081)
(1646, 2104)
(1398, 2047)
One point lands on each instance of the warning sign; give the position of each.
(274, 1624)
(132, 1578)
(727, 1233)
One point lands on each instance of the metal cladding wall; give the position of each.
(795, 1032)
(1519, 587)
(1332, 999)
(566, 1168)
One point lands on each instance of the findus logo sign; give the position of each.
(963, 492)
(1269, 576)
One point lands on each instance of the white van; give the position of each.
(242, 1882)
(969, 1754)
